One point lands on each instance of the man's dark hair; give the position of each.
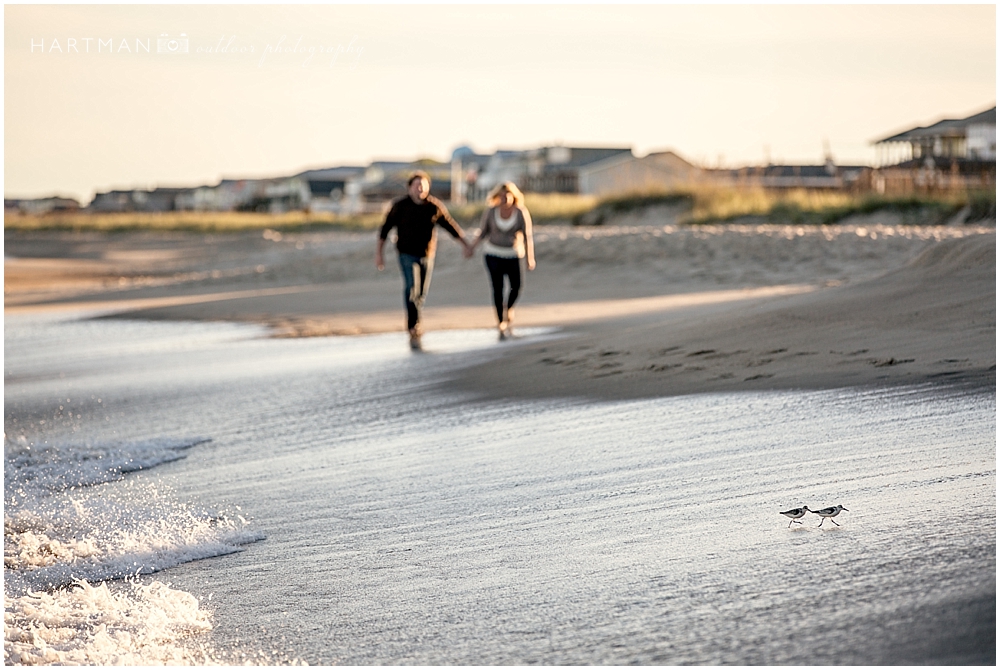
(419, 174)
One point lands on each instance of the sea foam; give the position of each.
(72, 521)
(86, 624)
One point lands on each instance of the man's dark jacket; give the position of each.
(415, 225)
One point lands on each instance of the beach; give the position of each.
(228, 438)
(648, 307)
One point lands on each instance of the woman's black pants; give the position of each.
(498, 267)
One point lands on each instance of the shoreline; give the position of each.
(648, 311)
(934, 320)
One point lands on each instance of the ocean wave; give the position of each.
(47, 551)
(36, 469)
(71, 514)
(78, 534)
(84, 624)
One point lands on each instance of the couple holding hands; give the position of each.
(505, 233)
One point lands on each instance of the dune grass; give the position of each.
(206, 222)
(826, 207)
(698, 205)
(709, 204)
(544, 208)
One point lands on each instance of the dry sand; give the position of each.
(647, 307)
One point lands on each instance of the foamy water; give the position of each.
(72, 521)
(349, 511)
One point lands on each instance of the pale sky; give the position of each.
(729, 83)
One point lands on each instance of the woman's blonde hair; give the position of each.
(493, 199)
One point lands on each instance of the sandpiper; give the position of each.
(829, 513)
(795, 514)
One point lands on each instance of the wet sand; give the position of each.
(582, 551)
(646, 308)
(933, 319)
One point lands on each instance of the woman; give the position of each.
(505, 234)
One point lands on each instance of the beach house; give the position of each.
(551, 169)
(334, 189)
(951, 154)
(829, 175)
(161, 199)
(625, 173)
(971, 138)
(36, 206)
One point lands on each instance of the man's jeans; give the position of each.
(416, 281)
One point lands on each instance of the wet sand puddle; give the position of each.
(325, 501)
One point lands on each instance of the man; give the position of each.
(414, 217)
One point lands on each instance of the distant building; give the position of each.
(37, 206)
(335, 189)
(136, 200)
(971, 138)
(274, 196)
(503, 165)
(950, 155)
(284, 194)
(226, 196)
(559, 169)
(385, 181)
(625, 173)
(466, 166)
(158, 200)
(554, 169)
(115, 201)
(826, 176)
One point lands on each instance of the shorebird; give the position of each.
(796, 514)
(829, 513)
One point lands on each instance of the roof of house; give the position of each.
(338, 173)
(580, 156)
(668, 155)
(989, 116)
(391, 165)
(55, 199)
(168, 190)
(789, 175)
(467, 154)
(943, 128)
(665, 161)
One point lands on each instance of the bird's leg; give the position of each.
(834, 522)
(822, 519)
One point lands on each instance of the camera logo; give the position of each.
(172, 45)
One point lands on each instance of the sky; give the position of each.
(137, 96)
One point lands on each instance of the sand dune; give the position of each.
(934, 318)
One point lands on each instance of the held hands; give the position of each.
(379, 259)
(467, 249)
